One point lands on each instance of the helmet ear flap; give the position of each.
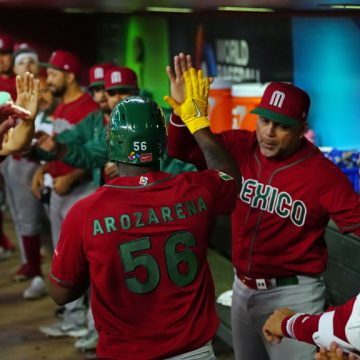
(137, 131)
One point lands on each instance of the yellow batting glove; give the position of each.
(193, 111)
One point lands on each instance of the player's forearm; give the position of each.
(77, 175)
(19, 137)
(87, 156)
(63, 296)
(215, 155)
(301, 327)
(181, 144)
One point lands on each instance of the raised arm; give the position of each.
(19, 137)
(193, 112)
(341, 325)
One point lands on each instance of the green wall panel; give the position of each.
(147, 53)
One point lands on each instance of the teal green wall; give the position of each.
(153, 31)
(116, 43)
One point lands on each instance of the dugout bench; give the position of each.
(342, 276)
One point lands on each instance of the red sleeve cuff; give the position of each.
(176, 120)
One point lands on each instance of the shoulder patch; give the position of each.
(225, 176)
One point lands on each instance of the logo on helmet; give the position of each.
(146, 157)
(133, 156)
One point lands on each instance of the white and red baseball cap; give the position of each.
(97, 74)
(119, 77)
(6, 44)
(284, 103)
(24, 50)
(65, 61)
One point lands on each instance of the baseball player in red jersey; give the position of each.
(141, 240)
(289, 192)
(69, 184)
(7, 84)
(340, 325)
(26, 211)
(7, 77)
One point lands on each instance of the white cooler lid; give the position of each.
(221, 83)
(248, 90)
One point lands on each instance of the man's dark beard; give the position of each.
(58, 92)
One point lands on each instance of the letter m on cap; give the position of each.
(116, 77)
(277, 98)
(98, 73)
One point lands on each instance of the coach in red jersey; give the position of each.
(141, 240)
(289, 193)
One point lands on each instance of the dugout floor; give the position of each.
(20, 319)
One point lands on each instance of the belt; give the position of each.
(266, 284)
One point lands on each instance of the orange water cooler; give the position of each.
(219, 110)
(245, 97)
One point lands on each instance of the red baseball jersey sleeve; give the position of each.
(283, 207)
(8, 84)
(302, 326)
(143, 242)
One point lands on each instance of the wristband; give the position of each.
(196, 123)
(290, 325)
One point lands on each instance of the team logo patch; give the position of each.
(133, 156)
(224, 176)
(143, 180)
(146, 157)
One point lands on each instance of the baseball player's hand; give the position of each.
(8, 114)
(46, 142)
(272, 327)
(182, 63)
(335, 353)
(37, 182)
(8, 108)
(27, 88)
(62, 184)
(193, 110)
(111, 170)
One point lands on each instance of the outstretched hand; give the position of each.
(27, 88)
(182, 63)
(193, 110)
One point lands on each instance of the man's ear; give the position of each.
(70, 78)
(304, 129)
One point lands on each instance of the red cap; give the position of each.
(97, 74)
(6, 43)
(284, 103)
(120, 78)
(64, 60)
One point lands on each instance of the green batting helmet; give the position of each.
(137, 131)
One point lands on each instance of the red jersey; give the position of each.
(143, 242)
(65, 116)
(8, 84)
(284, 206)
